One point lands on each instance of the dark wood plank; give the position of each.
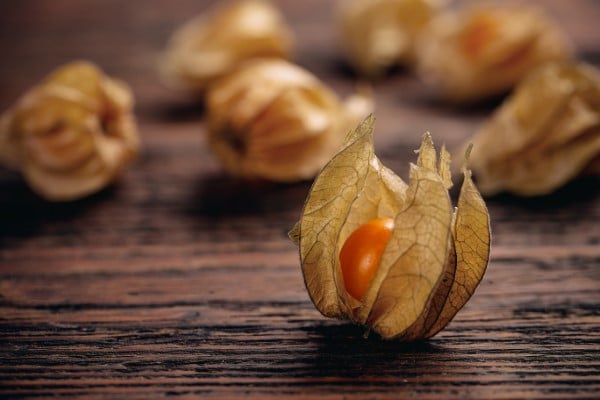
(181, 282)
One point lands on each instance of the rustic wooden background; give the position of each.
(180, 281)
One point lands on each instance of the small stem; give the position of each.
(367, 332)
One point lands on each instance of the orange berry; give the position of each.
(360, 254)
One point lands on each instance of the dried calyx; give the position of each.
(432, 260)
(545, 134)
(485, 50)
(71, 135)
(214, 43)
(379, 34)
(273, 120)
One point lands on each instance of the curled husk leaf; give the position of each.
(379, 34)
(485, 50)
(273, 120)
(545, 134)
(71, 135)
(434, 259)
(212, 44)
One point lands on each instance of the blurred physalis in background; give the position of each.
(214, 43)
(484, 50)
(273, 120)
(71, 135)
(379, 34)
(545, 134)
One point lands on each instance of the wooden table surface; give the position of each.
(180, 281)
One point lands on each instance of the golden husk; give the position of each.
(485, 50)
(214, 43)
(434, 259)
(544, 135)
(379, 34)
(71, 135)
(273, 120)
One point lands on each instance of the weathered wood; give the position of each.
(180, 281)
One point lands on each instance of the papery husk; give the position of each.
(544, 135)
(71, 135)
(214, 43)
(379, 34)
(485, 50)
(434, 259)
(273, 120)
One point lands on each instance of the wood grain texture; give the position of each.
(180, 281)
